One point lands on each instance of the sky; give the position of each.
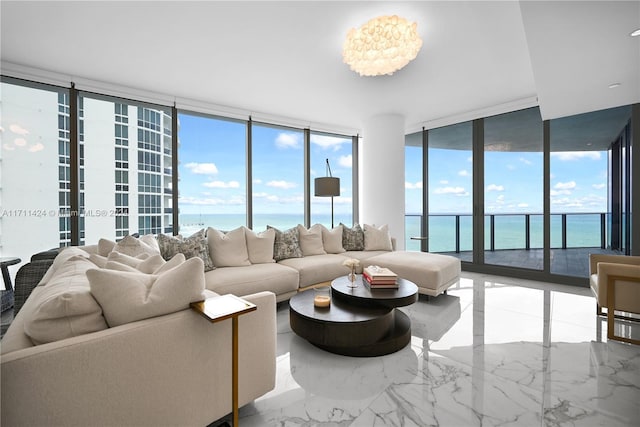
(213, 171)
(513, 181)
(213, 174)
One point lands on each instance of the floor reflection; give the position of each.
(494, 351)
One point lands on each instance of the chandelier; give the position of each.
(381, 46)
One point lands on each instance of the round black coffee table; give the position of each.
(359, 322)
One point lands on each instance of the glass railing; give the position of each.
(454, 232)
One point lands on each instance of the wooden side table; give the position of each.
(217, 309)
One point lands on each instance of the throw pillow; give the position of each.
(128, 297)
(64, 307)
(260, 245)
(332, 239)
(132, 246)
(286, 244)
(195, 245)
(352, 238)
(98, 260)
(377, 239)
(142, 263)
(105, 246)
(228, 249)
(60, 259)
(311, 240)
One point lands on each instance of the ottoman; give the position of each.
(433, 273)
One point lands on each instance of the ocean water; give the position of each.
(583, 230)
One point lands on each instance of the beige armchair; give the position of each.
(615, 282)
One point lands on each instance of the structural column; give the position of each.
(382, 174)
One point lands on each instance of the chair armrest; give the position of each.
(594, 259)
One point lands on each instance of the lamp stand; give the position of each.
(331, 211)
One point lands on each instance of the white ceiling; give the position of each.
(284, 58)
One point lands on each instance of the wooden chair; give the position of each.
(615, 282)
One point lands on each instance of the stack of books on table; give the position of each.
(380, 277)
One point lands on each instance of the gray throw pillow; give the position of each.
(195, 245)
(352, 238)
(286, 244)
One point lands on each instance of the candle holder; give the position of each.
(322, 296)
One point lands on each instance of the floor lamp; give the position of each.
(328, 186)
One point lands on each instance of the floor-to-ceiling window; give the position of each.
(450, 172)
(582, 188)
(338, 150)
(513, 189)
(34, 174)
(125, 168)
(278, 176)
(413, 188)
(212, 171)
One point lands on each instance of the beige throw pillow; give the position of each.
(65, 307)
(377, 239)
(311, 240)
(132, 246)
(332, 240)
(105, 246)
(64, 255)
(260, 245)
(143, 263)
(228, 249)
(128, 297)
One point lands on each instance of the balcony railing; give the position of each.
(454, 232)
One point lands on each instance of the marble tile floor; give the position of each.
(495, 351)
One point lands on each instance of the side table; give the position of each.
(217, 309)
(7, 293)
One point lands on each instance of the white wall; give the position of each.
(382, 174)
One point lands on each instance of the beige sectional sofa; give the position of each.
(174, 368)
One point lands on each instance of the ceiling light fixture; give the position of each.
(381, 46)
(614, 85)
(636, 33)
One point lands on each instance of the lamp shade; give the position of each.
(327, 186)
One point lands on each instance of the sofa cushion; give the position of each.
(361, 256)
(240, 281)
(65, 307)
(196, 245)
(352, 238)
(311, 240)
(286, 244)
(260, 245)
(332, 239)
(427, 270)
(144, 264)
(377, 239)
(318, 268)
(228, 249)
(64, 255)
(127, 296)
(133, 246)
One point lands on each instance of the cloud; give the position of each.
(464, 172)
(500, 198)
(281, 184)
(568, 156)
(559, 192)
(288, 140)
(327, 142)
(449, 190)
(523, 205)
(599, 186)
(494, 187)
(222, 184)
(17, 129)
(8, 147)
(257, 181)
(345, 161)
(525, 161)
(413, 186)
(37, 147)
(470, 159)
(565, 185)
(444, 182)
(202, 168)
(511, 167)
(20, 142)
